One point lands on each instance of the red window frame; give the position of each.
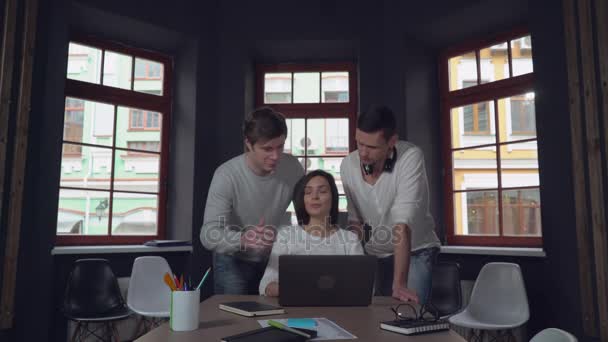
(321, 110)
(483, 92)
(132, 99)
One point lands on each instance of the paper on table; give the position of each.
(326, 329)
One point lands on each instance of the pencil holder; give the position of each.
(184, 313)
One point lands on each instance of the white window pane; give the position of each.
(117, 70)
(521, 50)
(84, 63)
(306, 87)
(86, 167)
(88, 122)
(134, 214)
(461, 68)
(277, 88)
(334, 86)
(83, 212)
(476, 213)
(149, 77)
(521, 212)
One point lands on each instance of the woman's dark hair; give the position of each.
(298, 197)
(264, 124)
(378, 118)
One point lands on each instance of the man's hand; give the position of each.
(404, 294)
(258, 239)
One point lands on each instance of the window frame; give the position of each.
(131, 99)
(320, 110)
(482, 92)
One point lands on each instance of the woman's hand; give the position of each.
(272, 289)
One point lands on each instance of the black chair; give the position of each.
(92, 296)
(446, 294)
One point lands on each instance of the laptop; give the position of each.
(326, 280)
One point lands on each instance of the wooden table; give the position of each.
(362, 322)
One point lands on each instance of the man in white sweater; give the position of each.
(247, 200)
(387, 189)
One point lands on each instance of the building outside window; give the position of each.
(492, 186)
(319, 102)
(113, 167)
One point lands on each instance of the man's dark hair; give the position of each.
(264, 124)
(378, 118)
(298, 197)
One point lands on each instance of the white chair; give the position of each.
(148, 295)
(498, 302)
(553, 335)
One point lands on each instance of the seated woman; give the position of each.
(315, 199)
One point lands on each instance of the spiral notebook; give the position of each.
(414, 327)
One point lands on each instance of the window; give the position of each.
(492, 186)
(523, 117)
(113, 169)
(72, 125)
(144, 120)
(319, 102)
(476, 119)
(147, 70)
(138, 146)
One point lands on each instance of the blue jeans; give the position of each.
(232, 275)
(419, 277)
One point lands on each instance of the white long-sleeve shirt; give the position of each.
(397, 197)
(294, 240)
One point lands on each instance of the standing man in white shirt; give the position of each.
(247, 200)
(387, 189)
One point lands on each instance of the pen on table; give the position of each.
(203, 280)
(286, 328)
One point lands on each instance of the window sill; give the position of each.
(108, 249)
(507, 251)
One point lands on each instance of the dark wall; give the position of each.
(37, 269)
(555, 160)
(551, 282)
(216, 46)
(35, 265)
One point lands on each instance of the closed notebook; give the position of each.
(269, 334)
(250, 308)
(414, 327)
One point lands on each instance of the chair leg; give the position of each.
(75, 333)
(475, 335)
(140, 325)
(114, 332)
